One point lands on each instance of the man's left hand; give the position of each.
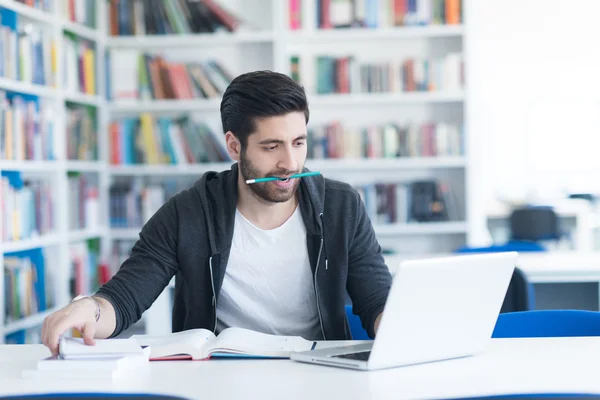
(377, 320)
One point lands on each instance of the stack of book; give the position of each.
(107, 359)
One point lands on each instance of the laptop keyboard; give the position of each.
(362, 355)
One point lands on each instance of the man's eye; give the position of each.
(271, 148)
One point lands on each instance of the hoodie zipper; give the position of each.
(214, 297)
(316, 273)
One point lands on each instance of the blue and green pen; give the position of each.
(276, 178)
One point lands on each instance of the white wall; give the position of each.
(533, 96)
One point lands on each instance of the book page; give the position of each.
(190, 342)
(248, 342)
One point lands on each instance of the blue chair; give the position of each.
(547, 323)
(356, 329)
(511, 245)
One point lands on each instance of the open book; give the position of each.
(201, 344)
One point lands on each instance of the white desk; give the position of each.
(508, 366)
(577, 214)
(542, 267)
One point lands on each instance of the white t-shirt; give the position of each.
(268, 285)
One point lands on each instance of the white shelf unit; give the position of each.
(56, 245)
(268, 48)
(271, 49)
(189, 40)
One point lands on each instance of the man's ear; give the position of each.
(234, 147)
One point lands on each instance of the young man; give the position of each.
(276, 257)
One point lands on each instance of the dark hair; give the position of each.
(259, 94)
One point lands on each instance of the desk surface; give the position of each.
(507, 366)
(542, 267)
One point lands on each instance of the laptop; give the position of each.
(437, 309)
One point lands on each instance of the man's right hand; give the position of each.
(80, 315)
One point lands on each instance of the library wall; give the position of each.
(533, 87)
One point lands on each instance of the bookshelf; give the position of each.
(271, 46)
(39, 248)
(266, 41)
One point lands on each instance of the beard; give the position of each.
(267, 191)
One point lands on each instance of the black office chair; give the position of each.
(534, 224)
(520, 294)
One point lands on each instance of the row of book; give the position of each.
(27, 51)
(162, 140)
(25, 287)
(336, 140)
(26, 127)
(120, 252)
(79, 11)
(28, 54)
(88, 271)
(26, 207)
(336, 14)
(80, 65)
(82, 133)
(134, 75)
(28, 283)
(133, 201)
(83, 200)
(350, 75)
(43, 5)
(157, 17)
(406, 202)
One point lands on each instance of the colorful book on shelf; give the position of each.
(384, 141)
(132, 201)
(25, 284)
(82, 134)
(87, 270)
(26, 128)
(339, 14)
(26, 207)
(202, 344)
(156, 17)
(348, 75)
(80, 64)
(25, 54)
(79, 11)
(135, 75)
(164, 141)
(406, 202)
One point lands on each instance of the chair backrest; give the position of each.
(547, 323)
(534, 224)
(519, 295)
(356, 328)
(513, 245)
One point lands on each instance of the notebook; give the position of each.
(71, 348)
